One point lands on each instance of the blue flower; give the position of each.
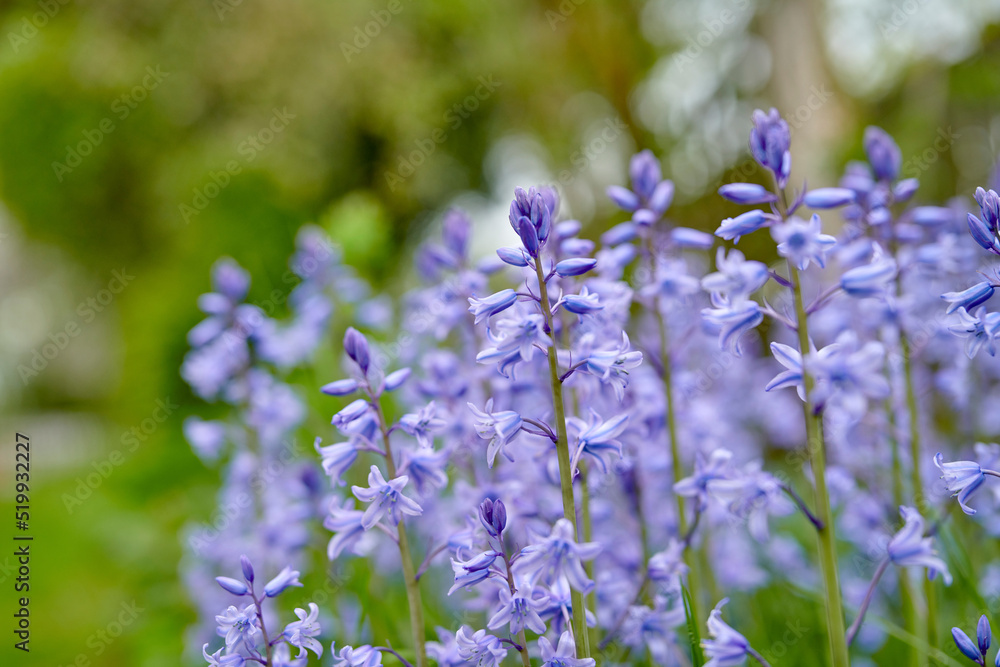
(967, 647)
(791, 359)
(470, 572)
(803, 242)
(347, 525)
(233, 586)
(770, 140)
(582, 303)
(519, 611)
(337, 458)
(356, 347)
(717, 466)
(978, 330)
(564, 655)
(612, 365)
(909, 547)
(983, 635)
(731, 229)
(869, 279)
(491, 305)
(423, 424)
(650, 195)
(302, 633)
(961, 478)
(479, 648)
(556, 556)
(726, 648)
(426, 468)
(239, 627)
(736, 278)
(732, 320)
(747, 193)
(497, 427)
(969, 298)
(386, 498)
(883, 153)
(282, 582)
(575, 266)
(493, 516)
(597, 439)
(829, 197)
(218, 660)
(362, 656)
(531, 215)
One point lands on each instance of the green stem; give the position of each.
(580, 635)
(817, 457)
(409, 574)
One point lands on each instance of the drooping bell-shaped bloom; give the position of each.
(563, 655)
(732, 320)
(597, 438)
(519, 610)
(362, 656)
(386, 499)
(239, 627)
(479, 648)
(303, 632)
(978, 330)
(969, 298)
(282, 582)
(423, 424)
(961, 478)
(727, 647)
(737, 278)
(612, 365)
(497, 427)
(557, 555)
(909, 547)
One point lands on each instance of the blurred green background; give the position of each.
(149, 137)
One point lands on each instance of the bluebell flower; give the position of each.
(575, 266)
(207, 438)
(556, 556)
(491, 305)
(650, 196)
(282, 582)
(612, 365)
(685, 237)
(969, 298)
(597, 439)
(362, 656)
(233, 586)
(977, 330)
(340, 387)
(747, 193)
(737, 278)
(983, 635)
(623, 232)
(849, 372)
(519, 611)
(770, 140)
(218, 660)
(497, 427)
(727, 647)
(479, 648)
(731, 229)
(560, 608)
(752, 495)
(239, 627)
(791, 359)
(444, 652)
(732, 320)
(883, 153)
(869, 279)
(531, 216)
(718, 465)
(823, 198)
(671, 281)
(803, 242)
(356, 347)
(564, 655)
(968, 647)
(352, 412)
(961, 478)
(909, 547)
(347, 525)
(983, 234)
(583, 303)
(513, 256)
(395, 379)
(337, 459)
(493, 516)
(932, 215)
(667, 567)
(386, 498)
(303, 632)
(514, 341)
(473, 571)
(422, 425)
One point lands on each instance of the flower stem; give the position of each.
(580, 635)
(522, 639)
(856, 625)
(409, 575)
(817, 457)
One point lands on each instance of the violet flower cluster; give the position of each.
(578, 450)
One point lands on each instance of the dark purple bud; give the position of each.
(685, 237)
(396, 379)
(983, 635)
(644, 170)
(512, 256)
(529, 236)
(493, 516)
(456, 231)
(828, 197)
(662, 197)
(747, 193)
(356, 346)
(232, 585)
(883, 153)
(247, 568)
(541, 218)
(770, 140)
(989, 204)
(932, 215)
(624, 198)
(965, 645)
(340, 387)
(575, 266)
(983, 235)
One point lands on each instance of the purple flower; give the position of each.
(737, 278)
(961, 478)
(423, 424)
(303, 632)
(770, 140)
(556, 556)
(597, 439)
(218, 660)
(479, 648)
(284, 580)
(983, 635)
(337, 458)
(612, 365)
(731, 229)
(732, 320)
(803, 242)
(497, 427)
(969, 298)
(354, 411)
(347, 524)
(582, 303)
(362, 656)
(340, 387)
(716, 466)
(883, 153)
(491, 305)
(356, 347)
(967, 647)
(791, 359)
(564, 655)
(386, 498)
(869, 279)
(531, 215)
(575, 266)
(493, 516)
(474, 571)
(747, 193)
(239, 627)
(232, 585)
(977, 330)
(650, 196)
(667, 567)
(519, 611)
(726, 648)
(909, 547)
(828, 197)
(426, 468)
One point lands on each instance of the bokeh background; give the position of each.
(150, 137)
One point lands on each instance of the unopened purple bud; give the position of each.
(685, 237)
(340, 387)
(905, 189)
(493, 516)
(395, 379)
(970, 298)
(575, 266)
(247, 568)
(747, 193)
(232, 585)
(529, 236)
(966, 646)
(732, 229)
(828, 197)
(645, 217)
(491, 305)
(567, 229)
(621, 233)
(512, 256)
(989, 204)
(983, 235)
(932, 215)
(662, 197)
(883, 153)
(456, 232)
(623, 197)
(285, 579)
(983, 635)
(356, 346)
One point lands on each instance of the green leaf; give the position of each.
(697, 659)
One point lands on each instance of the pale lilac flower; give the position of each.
(803, 242)
(218, 660)
(558, 555)
(909, 547)
(731, 229)
(732, 320)
(962, 479)
(770, 140)
(337, 458)
(612, 365)
(717, 466)
(386, 498)
(422, 425)
(474, 571)
(303, 632)
(564, 655)
(519, 611)
(737, 278)
(239, 627)
(426, 468)
(497, 427)
(726, 648)
(597, 438)
(491, 305)
(667, 567)
(479, 648)
(348, 526)
(978, 330)
(362, 656)
(284, 580)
